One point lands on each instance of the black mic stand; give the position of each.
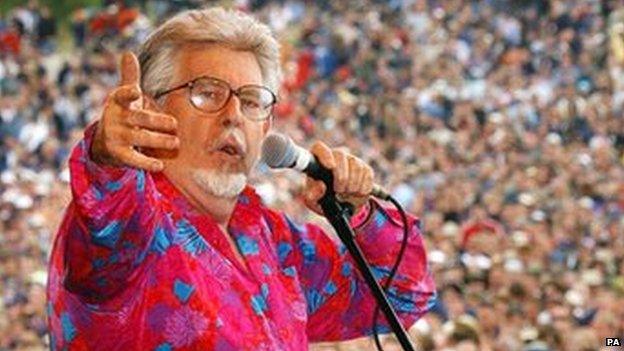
(337, 214)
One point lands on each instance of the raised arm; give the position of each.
(112, 216)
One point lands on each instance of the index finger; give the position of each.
(129, 69)
(324, 154)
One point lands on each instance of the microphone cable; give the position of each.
(395, 268)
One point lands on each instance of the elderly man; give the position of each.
(165, 247)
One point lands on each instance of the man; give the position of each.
(165, 247)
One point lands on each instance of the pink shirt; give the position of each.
(135, 267)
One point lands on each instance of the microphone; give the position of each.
(279, 151)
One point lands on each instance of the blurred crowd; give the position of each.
(499, 123)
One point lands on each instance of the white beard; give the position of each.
(219, 184)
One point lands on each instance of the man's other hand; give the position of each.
(128, 125)
(353, 179)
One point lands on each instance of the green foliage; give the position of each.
(6, 5)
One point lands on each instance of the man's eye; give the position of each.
(253, 104)
(210, 94)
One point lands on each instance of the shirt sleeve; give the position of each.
(108, 224)
(339, 302)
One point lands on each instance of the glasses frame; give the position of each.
(231, 92)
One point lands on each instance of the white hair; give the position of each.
(231, 28)
(219, 183)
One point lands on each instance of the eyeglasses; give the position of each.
(210, 95)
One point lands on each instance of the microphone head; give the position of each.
(278, 151)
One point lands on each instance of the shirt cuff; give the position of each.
(364, 215)
(86, 172)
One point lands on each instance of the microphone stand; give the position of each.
(337, 214)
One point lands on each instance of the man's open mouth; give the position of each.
(231, 147)
(229, 150)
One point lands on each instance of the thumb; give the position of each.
(129, 69)
(314, 191)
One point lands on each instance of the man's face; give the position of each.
(203, 135)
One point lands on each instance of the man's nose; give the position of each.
(231, 114)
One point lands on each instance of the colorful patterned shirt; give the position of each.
(135, 267)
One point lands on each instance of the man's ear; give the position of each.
(267, 125)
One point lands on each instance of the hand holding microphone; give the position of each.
(350, 178)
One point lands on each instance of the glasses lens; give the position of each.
(209, 95)
(256, 102)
